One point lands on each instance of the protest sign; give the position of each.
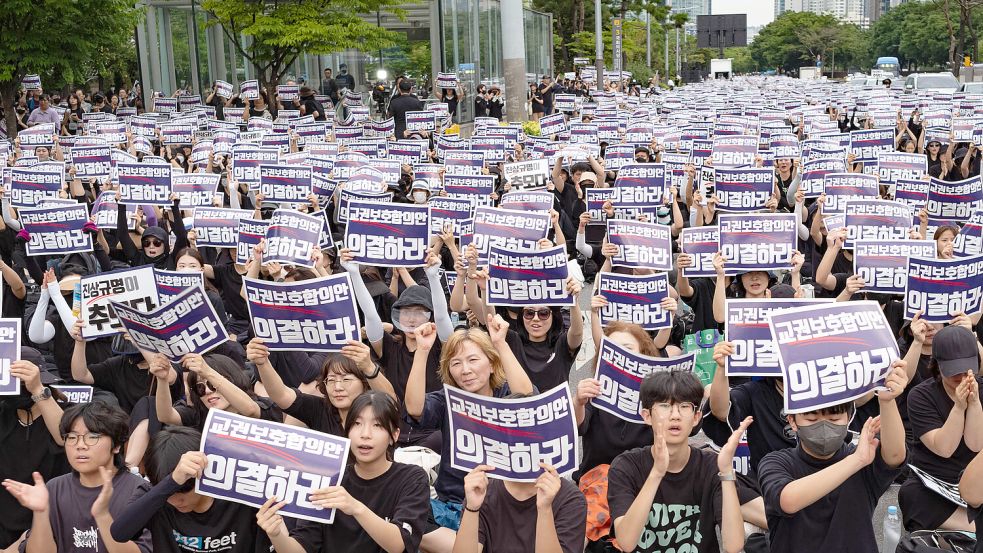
(388, 234)
(91, 162)
(512, 435)
(105, 210)
(479, 186)
(527, 175)
(311, 315)
(640, 245)
(142, 183)
(734, 151)
(832, 353)
(946, 490)
(171, 284)
(217, 226)
(186, 324)
(39, 136)
(345, 198)
(814, 173)
(639, 189)
(195, 189)
(747, 329)
(250, 233)
(223, 89)
(56, 230)
(893, 166)
(291, 237)
(31, 82)
(841, 188)
(528, 278)
(287, 92)
(701, 243)
(10, 340)
(743, 190)
(621, 371)
(246, 160)
(943, 288)
(446, 80)
(287, 184)
(876, 220)
(954, 201)
(249, 90)
(75, 394)
(969, 241)
(420, 121)
(635, 299)
(554, 124)
(883, 264)
(867, 144)
(528, 201)
(177, 134)
(446, 211)
(135, 287)
(507, 229)
(912, 192)
(759, 242)
(250, 460)
(30, 185)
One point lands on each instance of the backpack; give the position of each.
(934, 541)
(594, 486)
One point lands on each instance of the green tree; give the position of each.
(271, 35)
(45, 37)
(743, 62)
(793, 39)
(917, 33)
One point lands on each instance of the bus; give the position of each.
(888, 65)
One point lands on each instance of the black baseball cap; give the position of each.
(955, 348)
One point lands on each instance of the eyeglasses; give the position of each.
(152, 242)
(685, 408)
(530, 314)
(204, 388)
(344, 381)
(90, 438)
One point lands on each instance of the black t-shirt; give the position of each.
(401, 496)
(127, 381)
(922, 373)
(840, 521)
(701, 302)
(229, 282)
(928, 408)
(605, 436)
(547, 366)
(397, 361)
(226, 527)
(398, 107)
(314, 411)
(770, 431)
(507, 525)
(26, 449)
(687, 505)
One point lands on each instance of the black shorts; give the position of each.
(921, 508)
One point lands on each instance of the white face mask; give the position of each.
(420, 197)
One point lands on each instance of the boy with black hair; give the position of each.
(670, 496)
(823, 492)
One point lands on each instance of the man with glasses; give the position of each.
(671, 495)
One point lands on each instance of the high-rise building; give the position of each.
(847, 11)
(691, 7)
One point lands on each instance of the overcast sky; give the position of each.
(759, 12)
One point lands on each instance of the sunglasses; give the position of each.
(152, 242)
(530, 314)
(204, 388)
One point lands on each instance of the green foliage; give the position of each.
(743, 63)
(914, 32)
(272, 34)
(794, 39)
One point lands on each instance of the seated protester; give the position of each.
(396, 350)
(381, 505)
(971, 491)
(549, 350)
(947, 422)
(74, 512)
(343, 378)
(671, 495)
(125, 374)
(178, 518)
(697, 293)
(32, 442)
(474, 361)
(155, 247)
(501, 516)
(605, 435)
(824, 492)
(754, 285)
(214, 382)
(836, 265)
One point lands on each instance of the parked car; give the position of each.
(931, 82)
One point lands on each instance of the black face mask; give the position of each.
(22, 402)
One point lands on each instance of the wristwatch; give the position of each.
(727, 477)
(45, 394)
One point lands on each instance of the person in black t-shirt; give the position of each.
(550, 350)
(380, 505)
(179, 518)
(309, 105)
(344, 377)
(667, 497)
(405, 101)
(506, 517)
(823, 492)
(947, 423)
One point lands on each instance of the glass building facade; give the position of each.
(179, 50)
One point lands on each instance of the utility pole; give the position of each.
(648, 39)
(598, 47)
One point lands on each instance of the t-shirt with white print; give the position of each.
(70, 505)
(687, 504)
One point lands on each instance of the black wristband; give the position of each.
(378, 369)
(466, 508)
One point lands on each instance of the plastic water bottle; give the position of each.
(455, 319)
(892, 530)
